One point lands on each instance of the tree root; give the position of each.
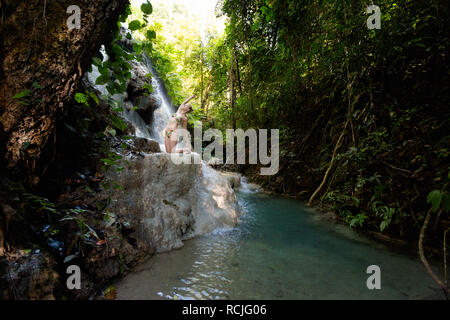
(424, 260)
(333, 159)
(445, 257)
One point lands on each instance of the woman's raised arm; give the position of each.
(189, 99)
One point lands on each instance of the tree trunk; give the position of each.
(206, 97)
(201, 75)
(40, 54)
(424, 259)
(233, 94)
(237, 71)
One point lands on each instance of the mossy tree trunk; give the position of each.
(40, 54)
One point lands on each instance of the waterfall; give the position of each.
(169, 202)
(161, 115)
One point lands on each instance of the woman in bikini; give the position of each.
(178, 121)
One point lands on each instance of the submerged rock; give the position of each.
(173, 202)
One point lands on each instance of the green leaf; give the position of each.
(137, 48)
(151, 34)
(435, 198)
(134, 25)
(147, 8)
(36, 85)
(69, 258)
(148, 47)
(97, 61)
(108, 161)
(446, 202)
(111, 89)
(22, 94)
(80, 98)
(127, 76)
(103, 70)
(103, 79)
(130, 56)
(125, 15)
(94, 97)
(111, 131)
(118, 123)
(117, 186)
(117, 51)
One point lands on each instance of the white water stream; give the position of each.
(215, 204)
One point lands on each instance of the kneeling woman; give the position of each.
(178, 121)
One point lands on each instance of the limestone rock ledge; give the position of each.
(170, 202)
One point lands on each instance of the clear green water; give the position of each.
(280, 250)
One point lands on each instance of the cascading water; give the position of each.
(171, 202)
(161, 115)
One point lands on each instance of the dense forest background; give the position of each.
(362, 113)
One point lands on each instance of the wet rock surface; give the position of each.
(138, 93)
(234, 179)
(172, 202)
(28, 276)
(145, 145)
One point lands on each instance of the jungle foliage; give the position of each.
(362, 113)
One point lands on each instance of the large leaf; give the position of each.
(134, 25)
(446, 202)
(435, 198)
(147, 8)
(103, 79)
(151, 34)
(384, 224)
(80, 97)
(137, 48)
(103, 70)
